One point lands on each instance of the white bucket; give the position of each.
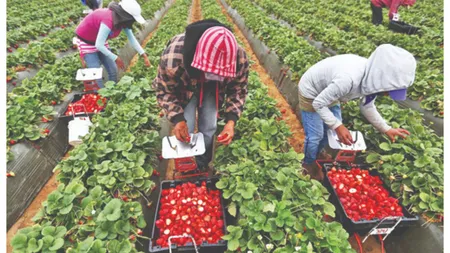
(78, 128)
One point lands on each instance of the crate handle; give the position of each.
(181, 236)
(73, 112)
(385, 231)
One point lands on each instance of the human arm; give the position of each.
(373, 116)
(393, 9)
(135, 44)
(236, 92)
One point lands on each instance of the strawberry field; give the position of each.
(105, 192)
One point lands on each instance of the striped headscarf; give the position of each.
(216, 52)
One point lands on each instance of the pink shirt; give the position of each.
(393, 5)
(90, 25)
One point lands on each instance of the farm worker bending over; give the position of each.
(103, 24)
(390, 70)
(393, 5)
(198, 71)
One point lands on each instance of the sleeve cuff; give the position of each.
(336, 124)
(231, 116)
(177, 118)
(385, 128)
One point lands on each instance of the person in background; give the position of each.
(389, 70)
(107, 23)
(198, 71)
(93, 4)
(393, 5)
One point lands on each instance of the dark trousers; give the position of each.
(377, 14)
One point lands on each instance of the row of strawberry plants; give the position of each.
(36, 95)
(93, 209)
(260, 23)
(32, 30)
(35, 10)
(342, 34)
(279, 208)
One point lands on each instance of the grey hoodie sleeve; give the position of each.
(338, 88)
(371, 114)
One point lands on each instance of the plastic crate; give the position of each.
(205, 246)
(362, 226)
(67, 118)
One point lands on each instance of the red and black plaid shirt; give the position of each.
(174, 88)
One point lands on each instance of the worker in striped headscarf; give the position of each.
(199, 71)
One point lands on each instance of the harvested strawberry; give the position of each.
(12, 142)
(190, 209)
(363, 195)
(125, 198)
(10, 174)
(161, 114)
(46, 131)
(44, 119)
(90, 103)
(283, 111)
(156, 173)
(222, 137)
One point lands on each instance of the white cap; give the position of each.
(134, 9)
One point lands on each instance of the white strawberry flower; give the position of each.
(259, 237)
(298, 248)
(269, 246)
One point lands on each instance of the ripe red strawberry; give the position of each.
(16, 46)
(14, 84)
(9, 49)
(46, 131)
(45, 120)
(139, 232)
(132, 237)
(125, 198)
(62, 27)
(283, 111)
(161, 114)
(53, 102)
(12, 142)
(156, 173)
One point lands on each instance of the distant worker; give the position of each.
(394, 18)
(390, 70)
(107, 23)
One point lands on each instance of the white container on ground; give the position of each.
(78, 128)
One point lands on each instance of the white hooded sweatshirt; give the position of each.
(346, 77)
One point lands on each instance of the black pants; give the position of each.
(377, 14)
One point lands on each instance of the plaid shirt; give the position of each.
(174, 88)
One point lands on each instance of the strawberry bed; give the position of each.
(189, 208)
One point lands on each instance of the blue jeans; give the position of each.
(207, 120)
(95, 60)
(316, 133)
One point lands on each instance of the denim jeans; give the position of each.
(95, 60)
(316, 133)
(207, 120)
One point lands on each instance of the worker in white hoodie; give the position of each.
(390, 70)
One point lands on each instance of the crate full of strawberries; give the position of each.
(86, 104)
(193, 209)
(362, 199)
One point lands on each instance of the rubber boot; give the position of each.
(314, 171)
